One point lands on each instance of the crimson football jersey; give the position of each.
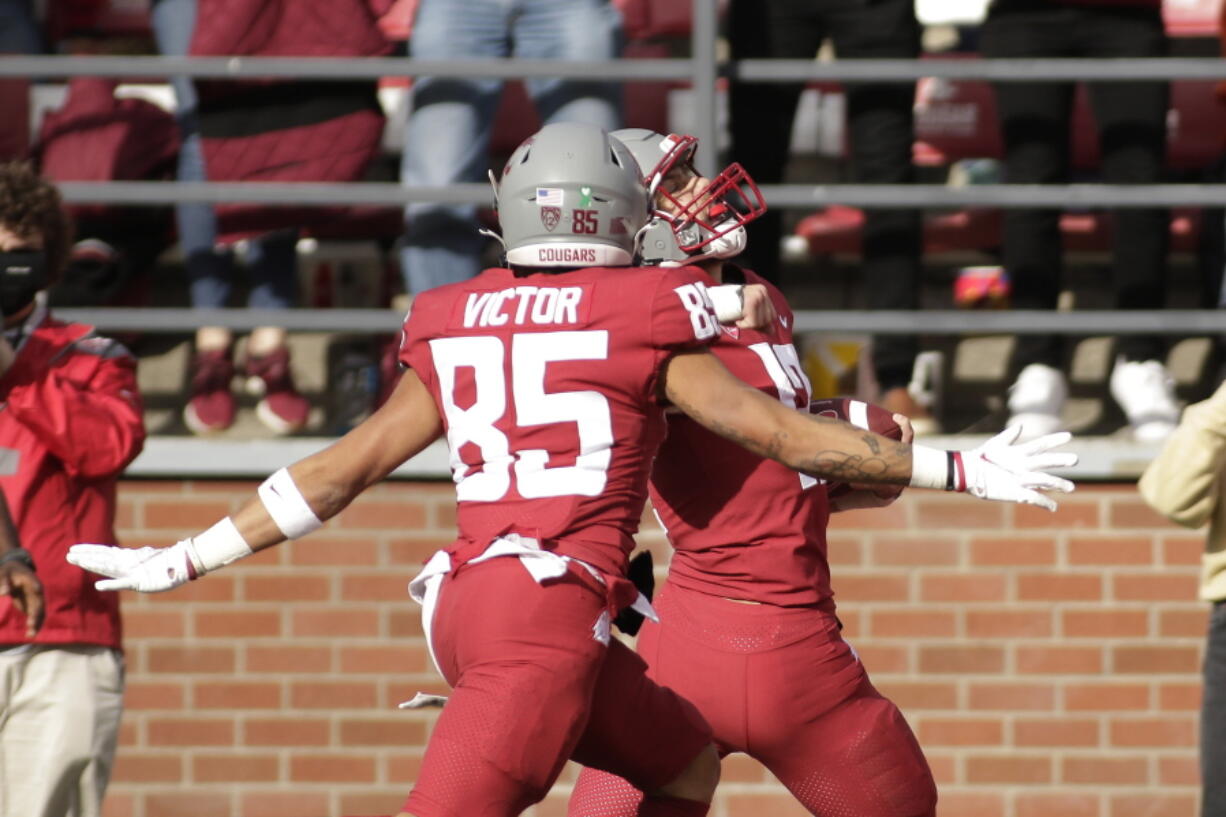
(745, 527)
(546, 384)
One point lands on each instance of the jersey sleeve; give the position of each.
(783, 329)
(419, 326)
(786, 321)
(682, 316)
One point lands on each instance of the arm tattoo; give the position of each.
(870, 464)
(770, 447)
(845, 466)
(842, 466)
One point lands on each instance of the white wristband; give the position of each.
(216, 547)
(287, 506)
(729, 302)
(930, 468)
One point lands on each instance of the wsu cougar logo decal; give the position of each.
(550, 216)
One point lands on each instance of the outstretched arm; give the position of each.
(332, 478)
(291, 503)
(698, 384)
(872, 496)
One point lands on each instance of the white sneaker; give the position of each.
(1035, 401)
(1146, 392)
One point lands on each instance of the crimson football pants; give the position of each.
(780, 685)
(535, 684)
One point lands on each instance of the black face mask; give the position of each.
(22, 274)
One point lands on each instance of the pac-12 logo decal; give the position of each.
(550, 216)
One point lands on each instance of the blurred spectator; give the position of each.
(19, 32)
(879, 137)
(271, 263)
(71, 423)
(1211, 251)
(1185, 483)
(98, 137)
(448, 134)
(1131, 119)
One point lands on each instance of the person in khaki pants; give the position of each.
(1185, 484)
(71, 422)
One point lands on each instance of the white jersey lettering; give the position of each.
(783, 366)
(493, 311)
(568, 305)
(542, 310)
(523, 305)
(525, 297)
(702, 313)
(474, 306)
(531, 354)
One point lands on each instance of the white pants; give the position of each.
(59, 721)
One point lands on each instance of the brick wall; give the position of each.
(1049, 664)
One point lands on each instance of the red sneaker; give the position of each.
(210, 405)
(281, 408)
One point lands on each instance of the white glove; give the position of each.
(147, 569)
(1000, 470)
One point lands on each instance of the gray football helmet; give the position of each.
(571, 196)
(710, 223)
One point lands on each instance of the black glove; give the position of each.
(641, 572)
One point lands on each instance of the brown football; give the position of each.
(858, 413)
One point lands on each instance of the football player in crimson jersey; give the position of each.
(549, 379)
(747, 628)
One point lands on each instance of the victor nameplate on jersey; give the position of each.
(524, 306)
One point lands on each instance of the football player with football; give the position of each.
(747, 629)
(549, 378)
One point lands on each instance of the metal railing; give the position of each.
(1188, 322)
(918, 196)
(701, 67)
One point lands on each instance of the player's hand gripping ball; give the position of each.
(873, 418)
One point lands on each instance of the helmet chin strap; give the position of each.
(640, 235)
(493, 235)
(493, 184)
(490, 233)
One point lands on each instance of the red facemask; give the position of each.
(729, 201)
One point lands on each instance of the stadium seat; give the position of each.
(651, 19)
(97, 19)
(1192, 18)
(836, 230)
(15, 125)
(956, 120)
(395, 17)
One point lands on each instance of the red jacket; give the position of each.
(286, 130)
(71, 421)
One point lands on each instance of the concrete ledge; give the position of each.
(192, 457)
(1104, 459)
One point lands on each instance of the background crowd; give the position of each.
(457, 129)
